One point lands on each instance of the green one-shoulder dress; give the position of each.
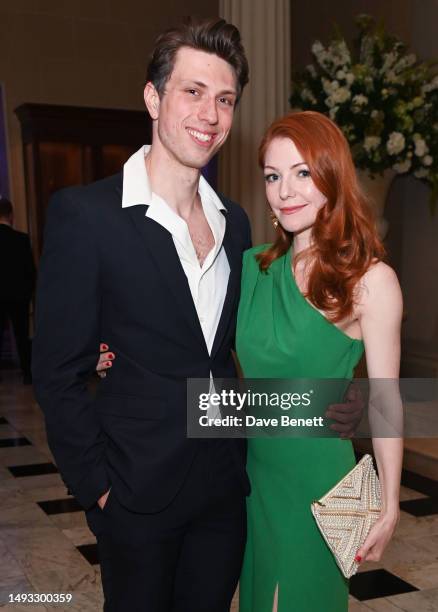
(280, 335)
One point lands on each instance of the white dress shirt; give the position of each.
(208, 284)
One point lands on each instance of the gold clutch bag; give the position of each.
(346, 513)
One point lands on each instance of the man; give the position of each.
(149, 260)
(17, 284)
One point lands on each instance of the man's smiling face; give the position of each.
(195, 112)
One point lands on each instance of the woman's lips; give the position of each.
(290, 210)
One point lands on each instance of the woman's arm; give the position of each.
(380, 314)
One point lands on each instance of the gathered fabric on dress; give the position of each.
(281, 335)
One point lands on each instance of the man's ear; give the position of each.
(152, 100)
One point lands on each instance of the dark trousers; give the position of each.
(17, 311)
(186, 558)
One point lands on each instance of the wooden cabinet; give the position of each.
(67, 145)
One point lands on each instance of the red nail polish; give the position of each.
(358, 558)
(104, 347)
(110, 356)
(108, 363)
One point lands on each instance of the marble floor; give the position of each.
(46, 547)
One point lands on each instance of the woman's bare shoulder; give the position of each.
(379, 273)
(378, 284)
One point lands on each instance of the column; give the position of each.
(265, 29)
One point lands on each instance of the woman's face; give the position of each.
(290, 190)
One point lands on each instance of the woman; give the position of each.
(311, 303)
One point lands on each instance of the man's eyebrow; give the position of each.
(204, 86)
(294, 166)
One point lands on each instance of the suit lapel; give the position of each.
(234, 260)
(160, 247)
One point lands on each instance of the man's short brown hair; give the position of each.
(214, 36)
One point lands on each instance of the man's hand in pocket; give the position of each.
(102, 500)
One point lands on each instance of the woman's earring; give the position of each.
(274, 221)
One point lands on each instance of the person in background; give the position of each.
(17, 282)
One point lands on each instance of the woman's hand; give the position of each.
(105, 360)
(378, 537)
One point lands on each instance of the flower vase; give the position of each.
(376, 189)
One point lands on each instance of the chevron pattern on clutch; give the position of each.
(346, 513)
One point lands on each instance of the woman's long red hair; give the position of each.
(344, 237)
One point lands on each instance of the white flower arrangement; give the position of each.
(383, 98)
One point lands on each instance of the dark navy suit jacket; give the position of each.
(113, 274)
